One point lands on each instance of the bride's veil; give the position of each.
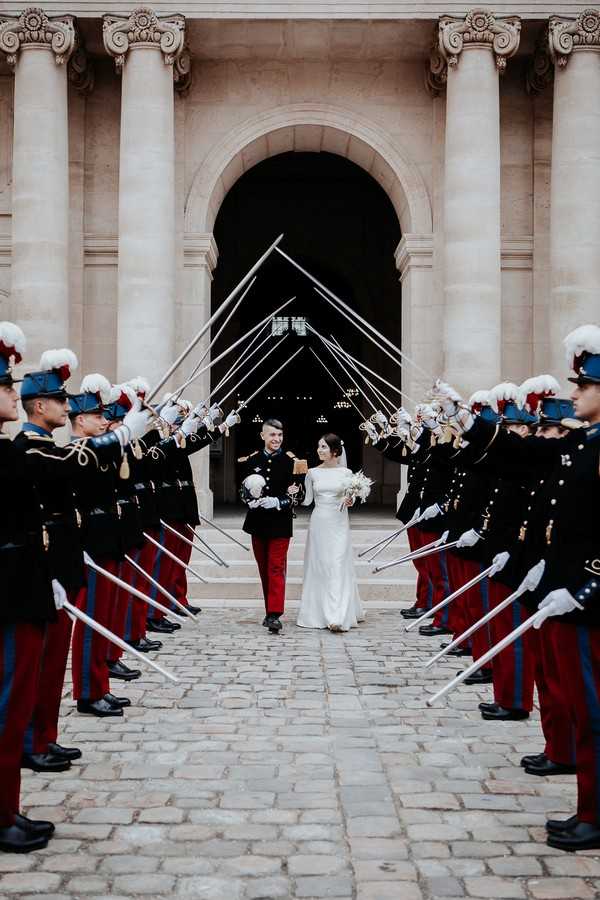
(343, 458)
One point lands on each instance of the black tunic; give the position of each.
(278, 471)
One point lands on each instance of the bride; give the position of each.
(330, 597)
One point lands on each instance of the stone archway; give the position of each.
(309, 127)
(316, 127)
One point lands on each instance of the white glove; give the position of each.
(469, 538)
(231, 420)
(269, 503)
(60, 595)
(253, 504)
(135, 425)
(447, 397)
(426, 414)
(370, 430)
(556, 603)
(401, 417)
(378, 418)
(200, 410)
(214, 412)
(190, 425)
(499, 561)
(431, 512)
(170, 412)
(533, 577)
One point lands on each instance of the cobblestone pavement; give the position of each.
(299, 766)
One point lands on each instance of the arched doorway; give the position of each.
(339, 223)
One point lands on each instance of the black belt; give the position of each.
(144, 487)
(176, 484)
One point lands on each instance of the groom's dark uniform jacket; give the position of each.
(271, 529)
(278, 471)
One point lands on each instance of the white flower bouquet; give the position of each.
(356, 485)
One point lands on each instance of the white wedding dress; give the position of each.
(330, 597)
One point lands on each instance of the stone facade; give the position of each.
(121, 133)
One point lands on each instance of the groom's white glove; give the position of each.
(269, 503)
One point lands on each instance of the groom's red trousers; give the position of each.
(271, 558)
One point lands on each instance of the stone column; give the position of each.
(39, 47)
(475, 50)
(574, 45)
(200, 258)
(146, 50)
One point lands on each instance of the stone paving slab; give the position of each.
(300, 766)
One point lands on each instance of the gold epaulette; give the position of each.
(290, 454)
(300, 467)
(243, 459)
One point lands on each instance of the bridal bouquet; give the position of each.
(356, 485)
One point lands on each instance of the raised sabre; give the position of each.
(220, 530)
(231, 347)
(245, 356)
(343, 368)
(129, 589)
(443, 603)
(250, 371)
(218, 559)
(190, 543)
(332, 376)
(164, 592)
(207, 325)
(245, 403)
(175, 559)
(362, 321)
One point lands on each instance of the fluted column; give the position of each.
(39, 47)
(574, 45)
(475, 50)
(147, 50)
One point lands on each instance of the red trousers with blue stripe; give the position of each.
(552, 682)
(165, 570)
(21, 648)
(424, 590)
(436, 570)
(130, 613)
(43, 727)
(513, 668)
(577, 650)
(90, 649)
(476, 604)
(183, 550)
(458, 618)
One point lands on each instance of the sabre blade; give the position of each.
(418, 554)
(443, 603)
(128, 588)
(175, 559)
(186, 540)
(271, 377)
(253, 369)
(96, 626)
(221, 530)
(165, 593)
(332, 376)
(162, 381)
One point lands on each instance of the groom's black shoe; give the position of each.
(273, 623)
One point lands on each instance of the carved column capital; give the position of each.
(81, 68)
(143, 28)
(33, 29)
(540, 70)
(436, 69)
(479, 28)
(567, 35)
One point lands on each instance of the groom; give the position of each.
(269, 520)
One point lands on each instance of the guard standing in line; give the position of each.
(26, 609)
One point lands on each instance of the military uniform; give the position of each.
(271, 529)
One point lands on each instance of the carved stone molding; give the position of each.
(200, 250)
(33, 29)
(81, 69)
(567, 35)
(540, 71)
(479, 28)
(516, 252)
(415, 251)
(182, 72)
(143, 28)
(436, 69)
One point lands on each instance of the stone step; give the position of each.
(248, 588)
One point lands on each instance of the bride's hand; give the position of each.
(348, 501)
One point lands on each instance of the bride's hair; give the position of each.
(334, 442)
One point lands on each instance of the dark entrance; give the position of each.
(340, 225)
